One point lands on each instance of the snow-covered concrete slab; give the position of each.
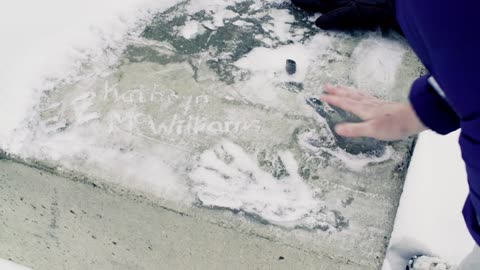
(199, 114)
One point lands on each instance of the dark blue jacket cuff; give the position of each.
(471, 151)
(432, 109)
(471, 219)
(471, 211)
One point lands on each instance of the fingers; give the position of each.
(354, 130)
(383, 128)
(345, 92)
(356, 107)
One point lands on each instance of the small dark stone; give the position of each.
(115, 243)
(291, 66)
(281, 258)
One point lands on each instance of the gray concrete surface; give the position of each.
(50, 222)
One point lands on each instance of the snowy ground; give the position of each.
(7, 265)
(197, 98)
(429, 219)
(201, 98)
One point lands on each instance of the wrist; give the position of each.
(415, 124)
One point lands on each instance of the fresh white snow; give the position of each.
(229, 177)
(8, 265)
(270, 62)
(429, 219)
(44, 42)
(192, 29)
(377, 61)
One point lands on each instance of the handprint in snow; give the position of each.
(228, 177)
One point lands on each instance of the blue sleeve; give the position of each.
(432, 109)
(449, 30)
(444, 34)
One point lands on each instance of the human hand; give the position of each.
(349, 14)
(382, 120)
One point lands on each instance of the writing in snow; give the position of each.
(181, 122)
(190, 125)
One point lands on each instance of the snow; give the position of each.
(270, 62)
(47, 41)
(429, 219)
(142, 171)
(8, 265)
(429, 263)
(357, 163)
(280, 26)
(217, 9)
(122, 139)
(376, 63)
(192, 29)
(39, 52)
(229, 177)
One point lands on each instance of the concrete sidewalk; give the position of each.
(50, 222)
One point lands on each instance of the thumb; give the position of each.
(353, 130)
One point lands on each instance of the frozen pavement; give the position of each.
(194, 109)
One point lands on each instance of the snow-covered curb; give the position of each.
(429, 219)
